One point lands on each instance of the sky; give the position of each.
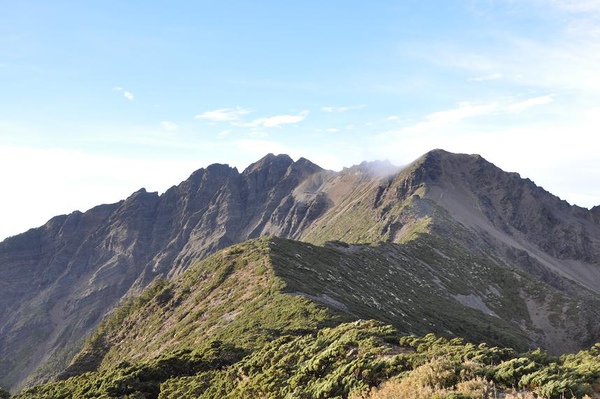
(101, 98)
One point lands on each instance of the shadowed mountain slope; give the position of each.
(60, 280)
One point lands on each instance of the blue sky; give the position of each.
(101, 98)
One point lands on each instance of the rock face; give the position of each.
(532, 228)
(58, 281)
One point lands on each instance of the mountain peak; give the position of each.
(270, 160)
(438, 156)
(305, 164)
(442, 166)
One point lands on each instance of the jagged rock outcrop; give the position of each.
(59, 280)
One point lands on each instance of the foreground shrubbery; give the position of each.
(356, 360)
(143, 380)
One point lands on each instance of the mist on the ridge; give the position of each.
(377, 168)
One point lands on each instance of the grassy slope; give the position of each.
(409, 286)
(233, 296)
(258, 320)
(254, 292)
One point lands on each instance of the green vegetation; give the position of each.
(454, 370)
(233, 296)
(139, 380)
(275, 318)
(410, 286)
(365, 359)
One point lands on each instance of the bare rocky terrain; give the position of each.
(454, 225)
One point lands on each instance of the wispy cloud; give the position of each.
(493, 76)
(577, 6)
(392, 118)
(341, 109)
(278, 120)
(224, 114)
(332, 130)
(463, 111)
(127, 94)
(169, 126)
(568, 61)
(466, 110)
(559, 55)
(531, 102)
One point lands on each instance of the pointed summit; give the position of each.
(306, 165)
(281, 161)
(437, 163)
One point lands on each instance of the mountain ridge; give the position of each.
(298, 292)
(66, 275)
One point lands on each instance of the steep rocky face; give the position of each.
(528, 226)
(516, 206)
(58, 281)
(63, 277)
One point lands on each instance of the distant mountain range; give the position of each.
(450, 244)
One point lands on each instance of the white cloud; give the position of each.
(578, 6)
(258, 134)
(466, 110)
(127, 94)
(224, 133)
(493, 76)
(463, 111)
(392, 118)
(341, 109)
(560, 53)
(531, 102)
(169, 126)
(332, 130)
(278, 120)
(224, 114)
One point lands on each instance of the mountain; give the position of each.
(286, 333)
(62, 278)
(450, 244)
